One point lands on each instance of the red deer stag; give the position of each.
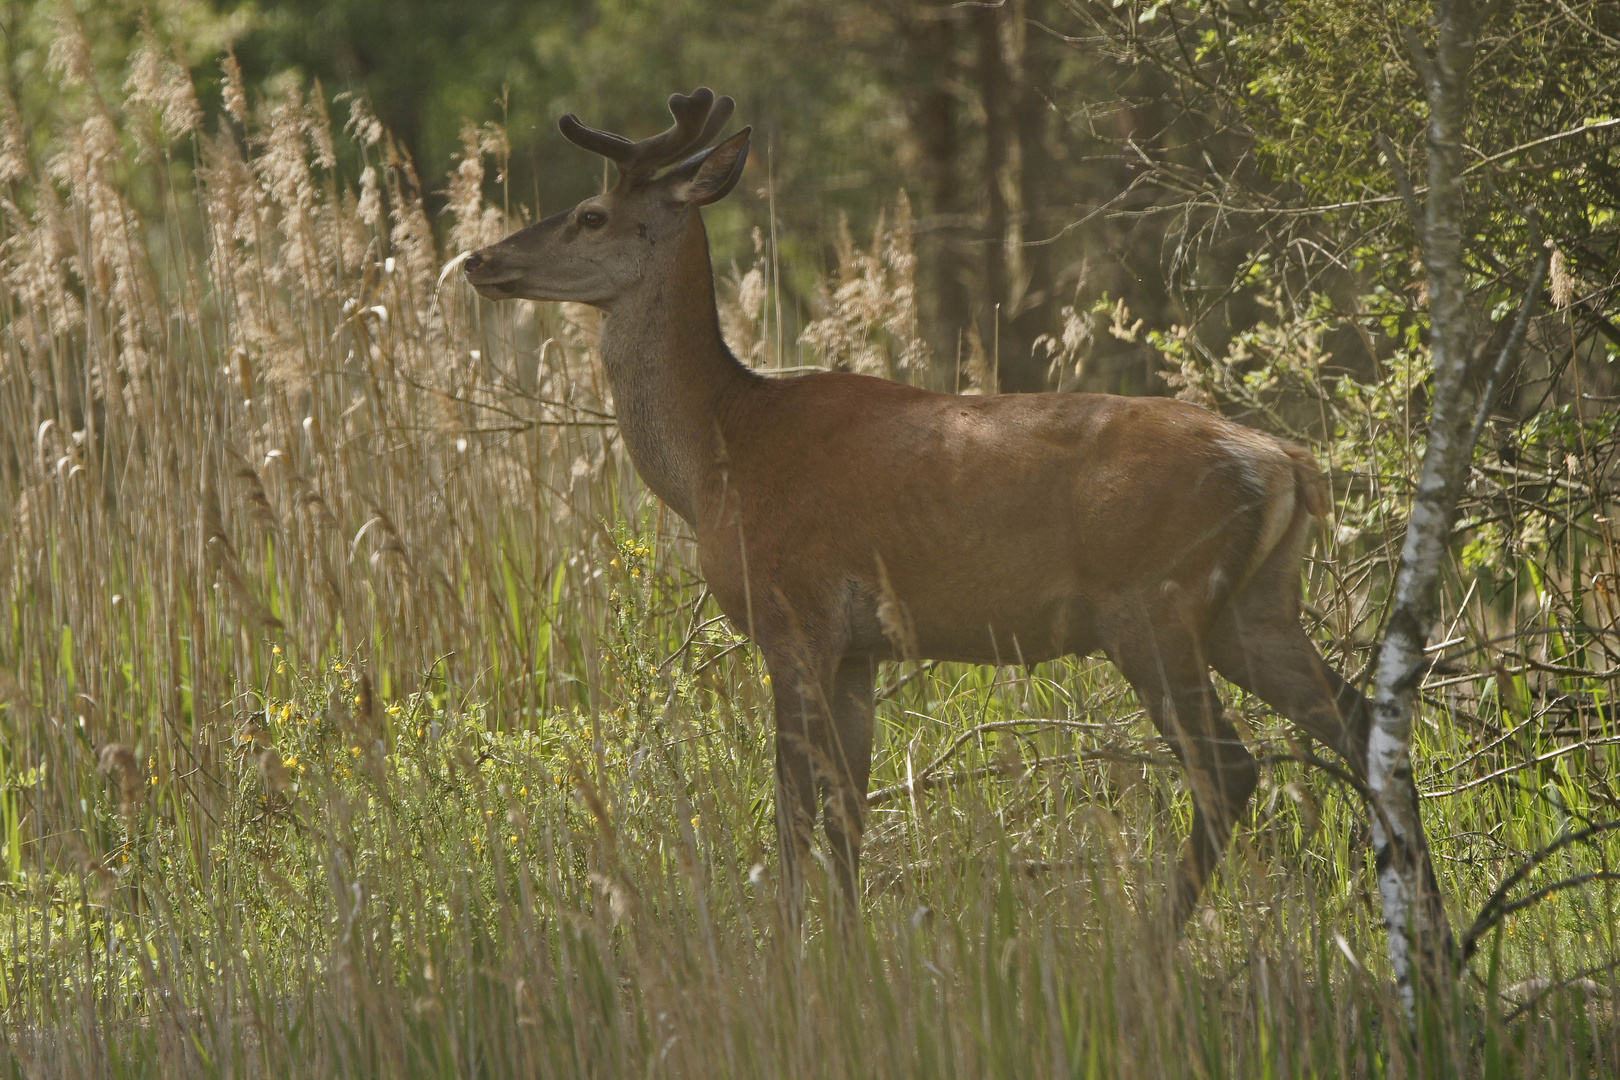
(829, 509)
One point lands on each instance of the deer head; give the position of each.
(600, 251)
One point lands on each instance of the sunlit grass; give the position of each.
(361, 714)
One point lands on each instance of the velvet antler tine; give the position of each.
(716, 122)
(690, 109)
(689, 112)
(698, 119)
(615, 148)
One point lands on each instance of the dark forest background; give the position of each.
(1055, 154)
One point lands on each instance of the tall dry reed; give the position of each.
(361, 714)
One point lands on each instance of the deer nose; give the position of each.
(472, 262)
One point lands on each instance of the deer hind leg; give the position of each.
(1258, 644)
(1171, 679)
(850, 752)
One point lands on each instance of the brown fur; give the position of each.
(843, 520)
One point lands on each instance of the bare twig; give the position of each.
(1541, 759)
(884, 693)
(1403, 182)
(926, 779)
(1556, 887)
(1521, 324)
(1495, 905)
(1581, 977)
(1533, 143)
(1020, 767)
(1001, 725)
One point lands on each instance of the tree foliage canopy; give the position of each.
(1184, 158)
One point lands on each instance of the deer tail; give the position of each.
(1297, 497)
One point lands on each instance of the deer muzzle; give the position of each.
(486, 274)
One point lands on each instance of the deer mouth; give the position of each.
(504, 288)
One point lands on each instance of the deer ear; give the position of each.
(708, 177)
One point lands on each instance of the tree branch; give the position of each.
(1495, 904)
(1521, 324)
(1421, 60)
(1005, 768)
(1403, 182)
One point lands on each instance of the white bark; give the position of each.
(1420, 942)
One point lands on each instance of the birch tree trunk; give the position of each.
(1420, 941)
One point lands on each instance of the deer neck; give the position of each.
(673, 379)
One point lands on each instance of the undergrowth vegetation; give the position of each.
(362, 714)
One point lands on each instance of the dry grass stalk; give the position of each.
(742, 308)
(868, 323)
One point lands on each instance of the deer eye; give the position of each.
(593, 219)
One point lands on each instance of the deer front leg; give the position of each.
(852, 704)
(800, 728)
(1222, 775)
(1167, 670)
